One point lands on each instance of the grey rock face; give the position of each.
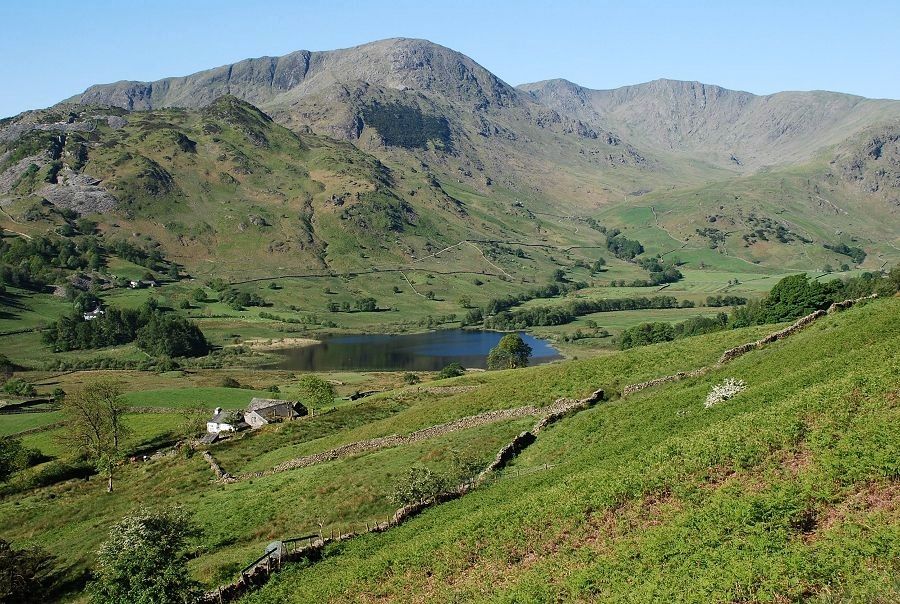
(79, 192)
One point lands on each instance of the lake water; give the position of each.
(407, 352)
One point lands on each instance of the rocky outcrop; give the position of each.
(80, 192)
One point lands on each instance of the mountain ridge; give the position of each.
(327, 91)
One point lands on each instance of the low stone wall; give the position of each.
(396, 440)
(632, 388)
(733, 353)
(221, 474)
(845, 304)
(260, 573)
(447, 389)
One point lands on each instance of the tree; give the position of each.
(95, 416)
(10, 456)
(510, 353)
(452, 370)
(26, 575)
(411, 378)
(559, 275)
(417, 484)
(316, 391)
(465, 301)
(171, 335)
(144, 560)
(19, 387)
(6, 367)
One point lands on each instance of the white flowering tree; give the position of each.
(144, 560)
(727, 389)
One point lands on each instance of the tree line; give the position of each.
(540, 316)
(791, 298)
(156, 332)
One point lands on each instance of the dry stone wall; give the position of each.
(733, 353)
(260, 573)
(221, 474)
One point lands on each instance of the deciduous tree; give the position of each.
(144, 560)
(96, 425)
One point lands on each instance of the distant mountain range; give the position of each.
(827, 163)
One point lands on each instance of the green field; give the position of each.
(206, 398)
(13, 423)
(322, 491)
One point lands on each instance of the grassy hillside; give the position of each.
(788, 492)
(241, 519)
(775, 472)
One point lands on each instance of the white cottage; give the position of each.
(223, 421)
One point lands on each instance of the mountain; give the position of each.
(394, 63)
(468, 153)
(727, 127)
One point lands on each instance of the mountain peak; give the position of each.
(393, 63)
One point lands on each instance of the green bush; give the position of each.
(510, 353)
(452, 370)
(417, 484)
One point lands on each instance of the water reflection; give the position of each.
(408, 352)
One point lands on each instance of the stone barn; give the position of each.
(263, 411)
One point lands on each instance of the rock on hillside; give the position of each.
(871, 162)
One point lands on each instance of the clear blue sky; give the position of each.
(53, 49)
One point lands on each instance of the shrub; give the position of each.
(417, 484)
(724, 391)
(26, 575)
(510, 353)
(10, 455)
(316, 391)
(411, 379)
(144, 560)
(452, 370)
(19, 387)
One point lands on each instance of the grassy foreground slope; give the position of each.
(788, 492)
(239, 520)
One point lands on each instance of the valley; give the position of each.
(358, 232)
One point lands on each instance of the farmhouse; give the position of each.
(224, 421)
(97, 312)
(262, 411)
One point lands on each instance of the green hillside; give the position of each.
(787, 490)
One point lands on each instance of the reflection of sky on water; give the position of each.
(419, 352)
